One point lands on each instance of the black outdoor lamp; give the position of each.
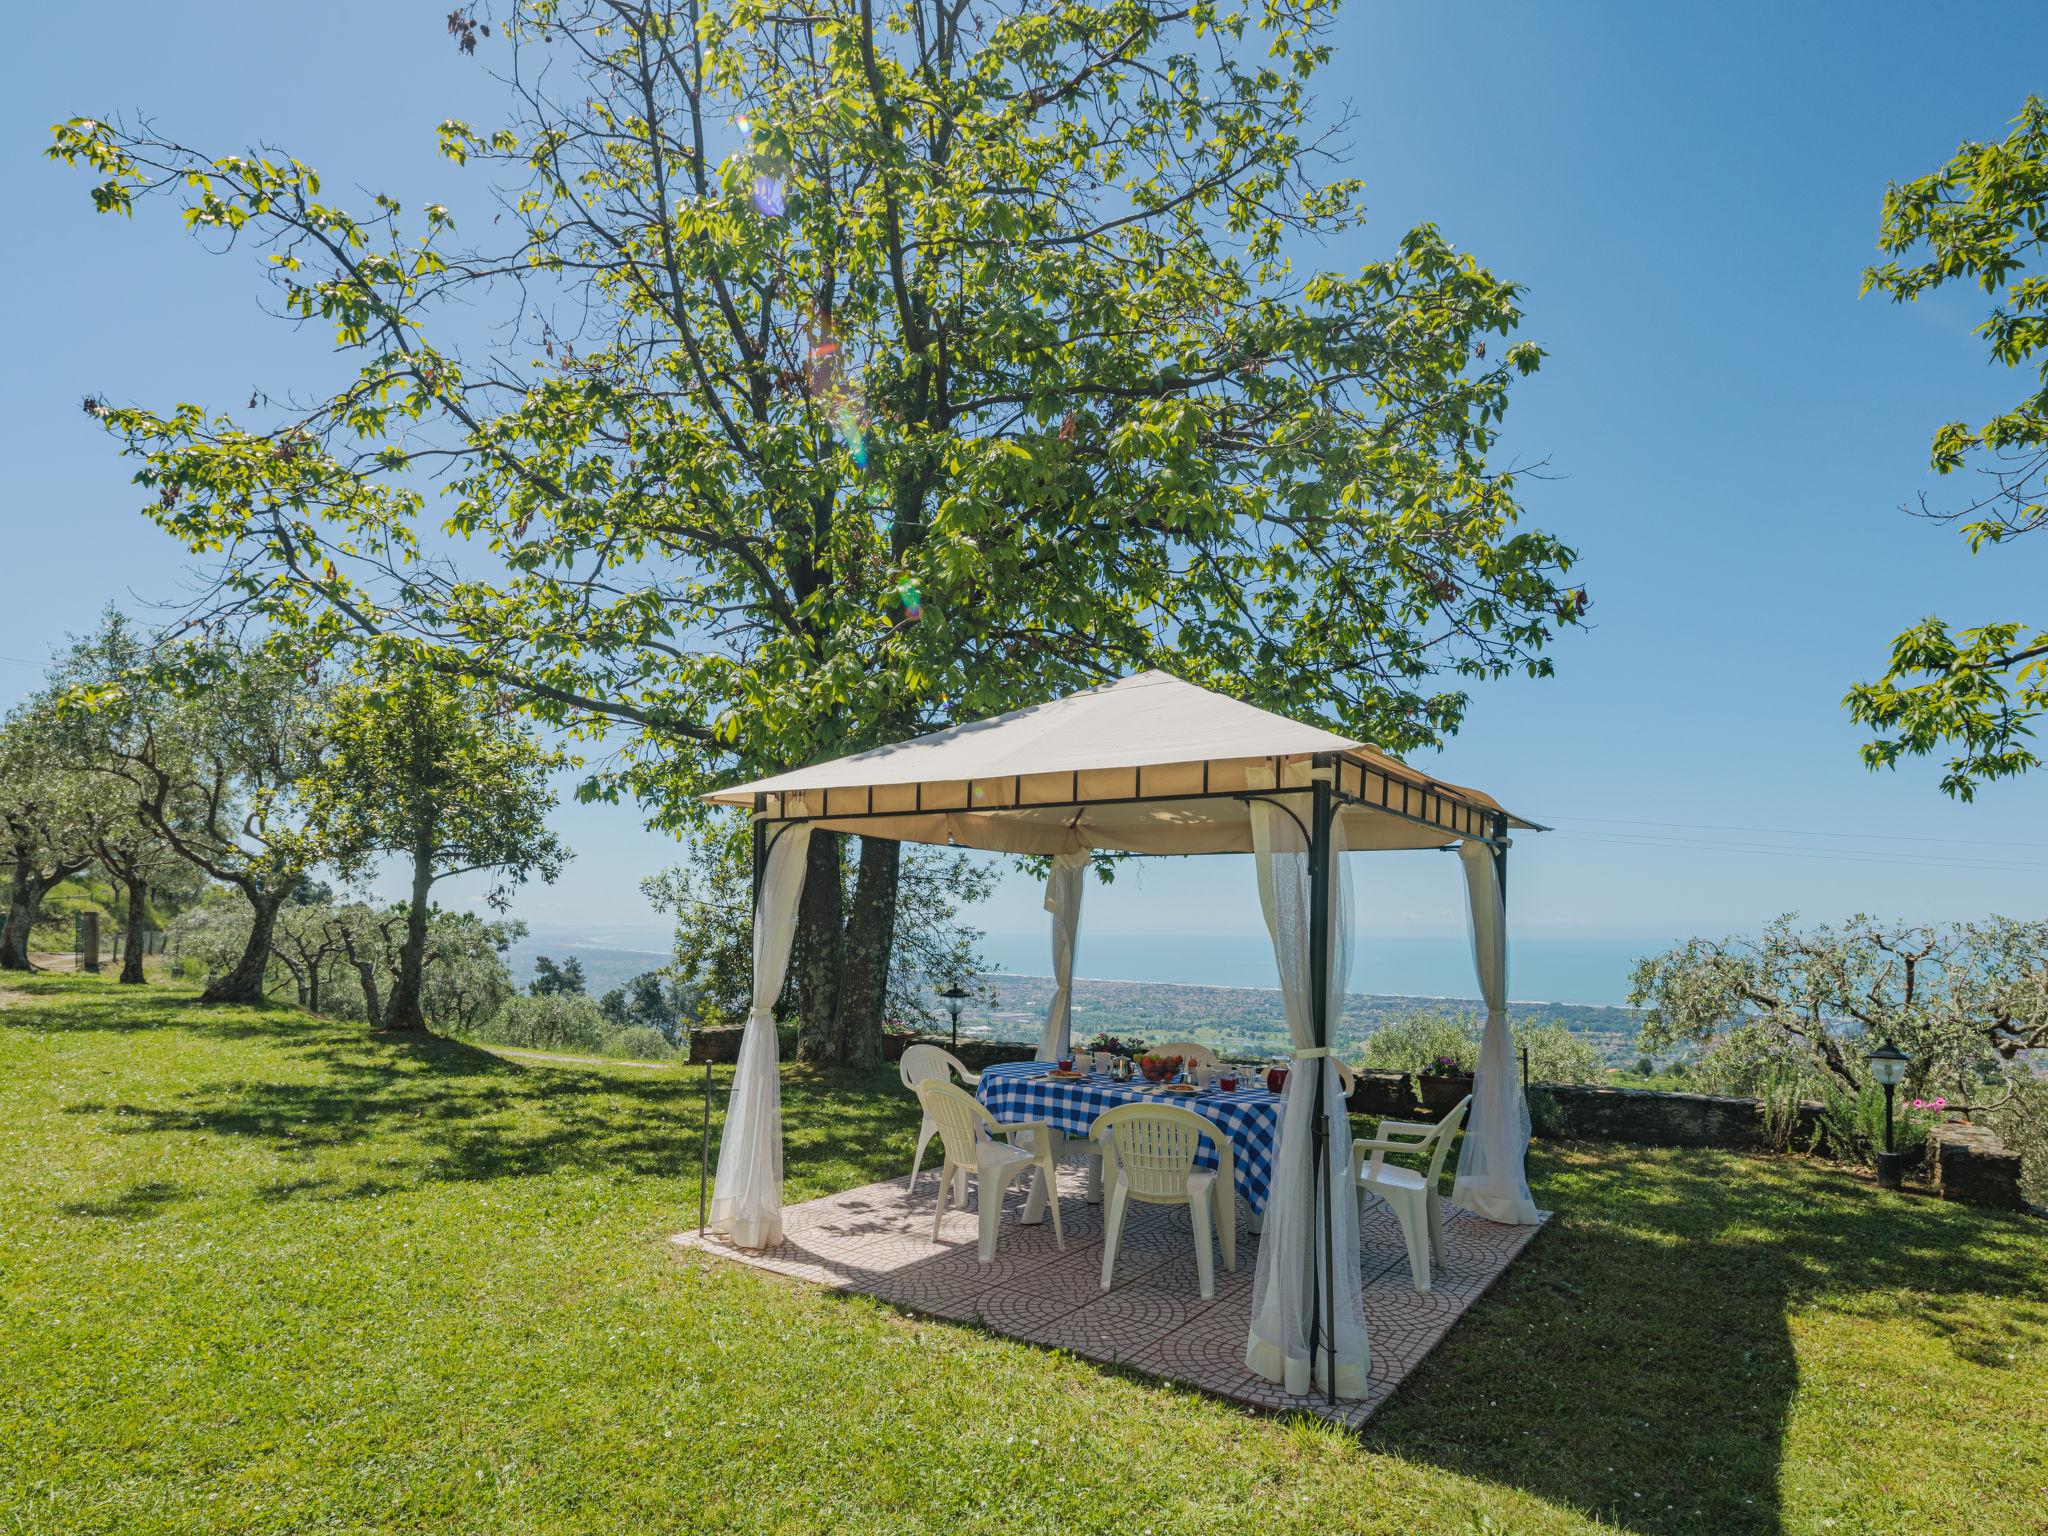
(955, 995)
(1888, 1066)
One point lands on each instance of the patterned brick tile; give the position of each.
(878, 1240)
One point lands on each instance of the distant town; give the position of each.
(1244, 1021)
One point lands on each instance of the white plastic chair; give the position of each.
(1412, 1195)
(920, 1063)
(1154, 1147)
(1196, 1055)
(967, 1131)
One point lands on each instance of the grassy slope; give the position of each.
(259, 1273)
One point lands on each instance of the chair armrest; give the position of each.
(1380, 1146)
(1014, 1128)
(967, 1079)
(1400, 1141)
(1413, 1127)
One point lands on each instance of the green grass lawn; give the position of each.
(263, 1273)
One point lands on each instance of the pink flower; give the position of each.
(1941, 1103)
(1919, 1103)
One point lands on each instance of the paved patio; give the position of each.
(877, 1240)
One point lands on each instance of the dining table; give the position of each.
(1022, 1092)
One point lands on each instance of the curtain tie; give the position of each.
(1310, 1053)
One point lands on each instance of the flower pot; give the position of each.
(1891, 1170)
(1440, 1092)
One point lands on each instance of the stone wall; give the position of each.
(1968, 1163)
(1972, 1166)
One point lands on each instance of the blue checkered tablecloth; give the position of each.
(1020, 1090)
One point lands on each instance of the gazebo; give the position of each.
(1155, 765)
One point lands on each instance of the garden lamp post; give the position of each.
(955, 995)
(1888, 1067)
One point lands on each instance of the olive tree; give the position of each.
(445, 777)
(863, 369)
(1966, 1001)
(46, 819)
(212, 743)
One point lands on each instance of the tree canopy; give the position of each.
(1981, 219)
(866, 369)
(1967, 1002)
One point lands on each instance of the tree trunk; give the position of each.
(24, 899)
(820, 940)
(244, 984)
(402, 1009)
(864, 968)
(366, 972)
(25, 904)
(131, 954)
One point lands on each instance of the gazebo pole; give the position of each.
(1320, 809)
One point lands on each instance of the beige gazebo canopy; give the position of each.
(1148, 764)
(1155, 765)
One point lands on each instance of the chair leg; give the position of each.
(925, 1133)
(989, 1195)
(1415, 1231)
(1435, 1207)
(1226, 1224)
(1052, 1200)
(1113, 1229)
(1205, 1261)
(1095, 1178)
(960, 1173)
(939, 1209)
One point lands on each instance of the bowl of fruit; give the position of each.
(1157, 1068)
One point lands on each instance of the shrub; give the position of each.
(1556, 1055)
(639, 1042)
(1852, 1125)
(1546, 1115)
(559, 1021)
(2022, 1125)
(1415, 1041)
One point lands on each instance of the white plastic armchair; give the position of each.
(1153, 1147)
(1412, 1195)
(921, 1063)
(968, 1133)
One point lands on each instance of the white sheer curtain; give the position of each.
(1063, 889)
(747, 1205)
(1289, 1281)
(1491, 1179)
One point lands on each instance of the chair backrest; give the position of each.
(1197, 1055)
(1155, 1147)
(960, 1117)
(922, 1061)
(1446, 1133)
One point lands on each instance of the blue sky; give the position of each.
(1689, 194)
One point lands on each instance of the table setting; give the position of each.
(1071, 1093)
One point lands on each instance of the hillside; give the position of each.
(1247, 1021)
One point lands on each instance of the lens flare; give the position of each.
(771, 197)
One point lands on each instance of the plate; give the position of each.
(1181, 1088)
(1066, 1077)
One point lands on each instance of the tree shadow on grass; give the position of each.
(138, 1202)
(64, 1004)
(438, 1110)
(1637, 1364)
